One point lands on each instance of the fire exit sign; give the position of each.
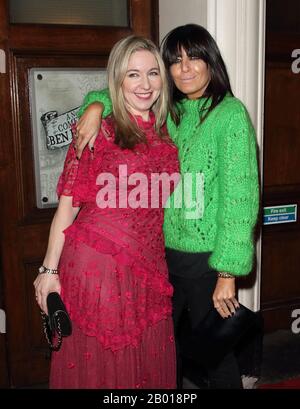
(280, 214)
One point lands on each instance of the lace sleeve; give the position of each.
(75, 178)
(68, 176)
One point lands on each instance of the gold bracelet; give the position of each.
(225, 275)
(45, 270)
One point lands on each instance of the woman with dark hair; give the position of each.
(211, 244)
(197, 44)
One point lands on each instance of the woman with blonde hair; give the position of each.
(106, 252)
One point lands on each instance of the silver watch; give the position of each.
(45, 270)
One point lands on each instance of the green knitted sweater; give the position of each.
(222, 151)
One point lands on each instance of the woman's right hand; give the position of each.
(45, 284)
(224, 297)
(88, 127)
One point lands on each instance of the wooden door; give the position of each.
(24, 226)
(281, 242)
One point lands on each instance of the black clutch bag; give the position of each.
(57, 323)
(215, 336)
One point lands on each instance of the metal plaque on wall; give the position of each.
(55, 97)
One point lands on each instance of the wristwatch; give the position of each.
(45, 270)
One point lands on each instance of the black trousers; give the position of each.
(194, 283)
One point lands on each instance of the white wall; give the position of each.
(173, 13)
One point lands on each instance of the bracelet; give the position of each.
(225, 275)
(45, 270)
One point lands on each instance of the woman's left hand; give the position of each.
(224, 297)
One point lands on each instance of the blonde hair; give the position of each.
(128, 134)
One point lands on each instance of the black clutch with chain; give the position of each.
(57, 323)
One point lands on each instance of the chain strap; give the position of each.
(47, 329)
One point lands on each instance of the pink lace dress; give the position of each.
(113, 271)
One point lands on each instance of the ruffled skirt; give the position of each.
(122, 326)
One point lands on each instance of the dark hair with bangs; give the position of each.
(197, 42)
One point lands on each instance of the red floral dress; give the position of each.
(112, 269)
